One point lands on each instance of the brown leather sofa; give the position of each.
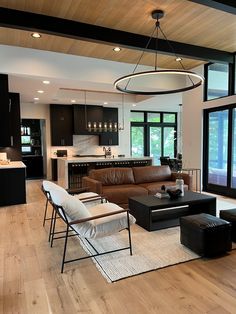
(118, 184)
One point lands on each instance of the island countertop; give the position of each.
(99, 159)
(13, 164)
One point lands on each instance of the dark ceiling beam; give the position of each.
(223, 5)
(67, 28)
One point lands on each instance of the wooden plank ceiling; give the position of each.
(184, 22)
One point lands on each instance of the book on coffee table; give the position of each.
(162, 194)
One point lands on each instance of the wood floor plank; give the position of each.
(31, 282)
(36, 297)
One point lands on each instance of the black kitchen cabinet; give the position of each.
(54, 169)
(109, 138)
(5, 136)
(61, 125)
(13, 116)
(84, 114)
(34, 166)
(14, 153)
(12, 186)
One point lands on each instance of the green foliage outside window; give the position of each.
(137, 139)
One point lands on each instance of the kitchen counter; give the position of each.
(97, 159)
(13, 164)
(70, 170)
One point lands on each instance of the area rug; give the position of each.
(151, 250)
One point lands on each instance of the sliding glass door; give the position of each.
(233, 163)
(218, 147)
(219, 175)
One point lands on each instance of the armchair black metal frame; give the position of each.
(61, 213)
(54, 215)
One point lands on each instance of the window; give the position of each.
(153, 117)
(217, 81)
(136, 116)
(153, 134)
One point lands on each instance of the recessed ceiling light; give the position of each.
(73, 100)
(36, 98)
(105, 103)
(178, 59)
(117, 49)
(36, 35)
(134, 105)
(40, 91)
(46, 82)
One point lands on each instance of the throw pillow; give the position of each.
(74, 208)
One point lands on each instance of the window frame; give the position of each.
(209, 187)
(231, 81)
(146, 125)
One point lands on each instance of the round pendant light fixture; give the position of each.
(158, 82)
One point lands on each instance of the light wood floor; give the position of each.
(31, 282)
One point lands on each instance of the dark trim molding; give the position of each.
(81, 31)
(223, 5)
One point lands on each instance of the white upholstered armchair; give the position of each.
(89, 221)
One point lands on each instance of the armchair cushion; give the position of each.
(58, 196)
(48, 186)
(74, 208)
(104, 226)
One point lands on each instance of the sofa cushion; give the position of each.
(119, 194)
(151, 174)
(153, 187)
(113, 176)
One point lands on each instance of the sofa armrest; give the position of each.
(92, 185)
(188, 178)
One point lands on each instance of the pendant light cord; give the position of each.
(172, 49)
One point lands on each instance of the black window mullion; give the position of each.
(230, 143)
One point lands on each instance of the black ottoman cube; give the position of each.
(205, 234)
(230, 215)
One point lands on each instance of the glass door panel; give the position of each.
(218, 147)
(169, 142)
(137, 141)
(233, 174)
(155, 144)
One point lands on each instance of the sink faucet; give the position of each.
(107, 151)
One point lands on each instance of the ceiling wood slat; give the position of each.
(77, 30)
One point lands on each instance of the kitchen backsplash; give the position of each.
(84, 145)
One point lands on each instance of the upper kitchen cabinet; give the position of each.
(5, 134)
(61, 125)
(110, 137)
(87, 118)
(14, 153)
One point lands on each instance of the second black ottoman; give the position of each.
(205, 234)
(230, 215)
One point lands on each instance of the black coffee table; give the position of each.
(153, 213)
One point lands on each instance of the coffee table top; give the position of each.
(153, 202)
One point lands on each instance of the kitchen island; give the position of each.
(72, 169)
(12, 183)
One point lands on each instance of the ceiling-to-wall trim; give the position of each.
(67, 28)
(223, 5)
